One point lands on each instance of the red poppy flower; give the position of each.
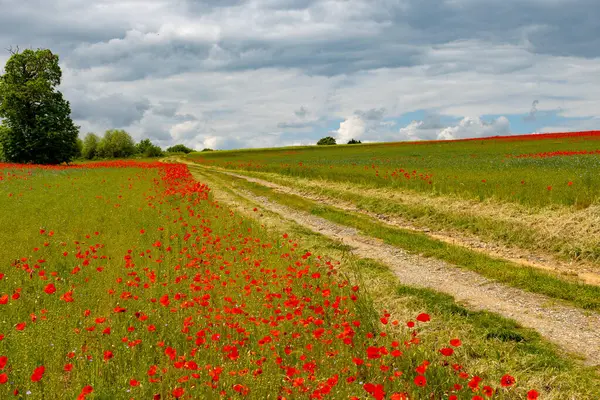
(423, 317)
(447, 351)
(375, 390)
(455, 342)
(38, 373)
(488, 391)
(532, 395)
(67, 297)
(108, 355)
(178, 392)
(3, 361)
(3, 378)
(507, 381)
(420, 380)
(50, 288)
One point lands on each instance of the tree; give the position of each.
(326, 141)
(154, 151)
(37, 126)
(90, 146)
(147, 149)
(179, 148)
(79, 148)
(143, 146)
(116, 143)
(353, 141)
(3, 132)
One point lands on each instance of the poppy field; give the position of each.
(533, 170)
(127, 280)
(532, 193)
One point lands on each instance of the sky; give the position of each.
(259, 73)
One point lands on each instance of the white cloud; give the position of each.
(352, 128)
(470, 127)
(243, 73)
(185, 130)
(417, 130)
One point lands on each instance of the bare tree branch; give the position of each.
(13, 51)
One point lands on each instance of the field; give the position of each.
(534, 171)
(136, 280)
(537, 192)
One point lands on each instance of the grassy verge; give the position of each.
(495, 344)
(526, 278)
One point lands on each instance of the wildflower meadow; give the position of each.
(127, 280)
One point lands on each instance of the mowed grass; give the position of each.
(126, 280)
(527, 278)
(473, 169)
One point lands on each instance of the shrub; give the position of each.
(179, 148)
(148, 149)
(90, 146)
(116, 144)
(353, 141)
(326, 141)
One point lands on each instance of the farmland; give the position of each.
(521, 211)
(132, 279)
(540, 193)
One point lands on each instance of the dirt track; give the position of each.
(582, 271)
(572, 329)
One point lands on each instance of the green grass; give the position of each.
(475, 169)
(526, 278)
(188, 287)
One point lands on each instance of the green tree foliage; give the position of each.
(207, 149)
(179, 148)
(3, 131)
(79, 148)
(147, 149)
(37, 125)
(353, 141)
(116, 143)
(326, 141)
(143, 146)
(90, 146)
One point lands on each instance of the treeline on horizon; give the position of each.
(117, 143)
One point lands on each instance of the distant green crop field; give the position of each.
(534, 170)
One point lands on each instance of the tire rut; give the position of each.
(517, 256)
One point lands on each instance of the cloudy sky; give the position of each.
(255, 73)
